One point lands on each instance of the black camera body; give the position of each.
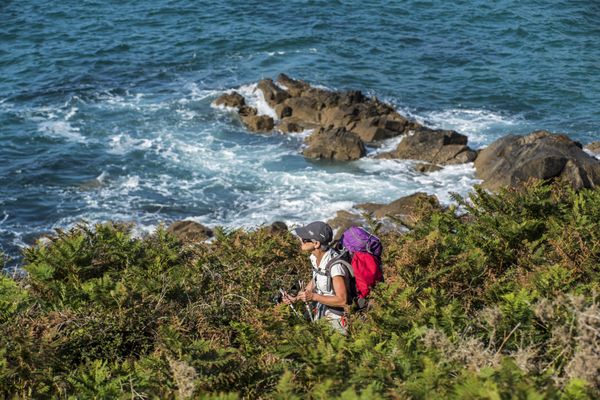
(278, 297)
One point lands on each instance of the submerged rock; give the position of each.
(513, 160)
(426, 167)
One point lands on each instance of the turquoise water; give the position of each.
(105, 107)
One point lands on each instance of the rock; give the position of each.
(190, 231)
(294, 87)
(513, 160)
(234, 100)
(594, 147)
(283, 111)
(278, 227)
(338, 117)
(304, 109)
(436, 147)
(373, 129)
(343, 220)
(258, 123)
(407, 210)
(426, 167)
(334, 144)
(272, 93)
(291, 125)
(246, 111)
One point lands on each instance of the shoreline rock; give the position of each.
(300, 106)
(513, 160)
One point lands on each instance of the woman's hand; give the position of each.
(288, 299)
(305, 295)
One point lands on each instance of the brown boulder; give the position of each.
(407, 210)
(334, 144)
(436, 147)
(258, 123)
(343, 220)
(283, 111)
(377, 128)
(272, 93)
(234, 100)
(278, 227)
(303, 108)
(513, 160)
(190, 231)
(594, 147)
(291, 125)
(294, 87)
(426, 167)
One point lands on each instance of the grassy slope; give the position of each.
(498, 302)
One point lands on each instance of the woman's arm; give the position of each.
(337, 300)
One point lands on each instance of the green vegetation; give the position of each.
(498, 300)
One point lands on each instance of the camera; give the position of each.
(278, 297)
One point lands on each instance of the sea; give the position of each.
(106, 106)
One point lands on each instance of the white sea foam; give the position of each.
(255, 98)
(385, 146)
(591, 153)
(124, 143)
(61, 129)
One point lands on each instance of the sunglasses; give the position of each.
(306, 240)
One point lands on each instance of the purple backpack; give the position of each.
(356, 239)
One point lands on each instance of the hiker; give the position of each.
(331, 295)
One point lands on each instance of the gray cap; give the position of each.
(317, 231)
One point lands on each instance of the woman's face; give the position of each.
(308, 245)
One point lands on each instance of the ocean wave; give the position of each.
(61, 129)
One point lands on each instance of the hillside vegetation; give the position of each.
(495, 298)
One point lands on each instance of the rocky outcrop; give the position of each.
(272, 93)
(439, 147)
(407, 210)
(513, 160)
(334, 115)
(403, 212)
(233, 100)
(593, 147)
(190, 231)
(334, 144)
(343, 220)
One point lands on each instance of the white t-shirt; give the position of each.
(321, 280)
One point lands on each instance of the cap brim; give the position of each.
(303, 233)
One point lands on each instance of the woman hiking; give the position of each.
(329, 290)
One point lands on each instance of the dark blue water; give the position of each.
(105, 106)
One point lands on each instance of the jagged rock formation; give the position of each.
(438, 147)
(334, 144)
(349, 119)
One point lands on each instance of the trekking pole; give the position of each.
(310, 315)
(291, 305)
